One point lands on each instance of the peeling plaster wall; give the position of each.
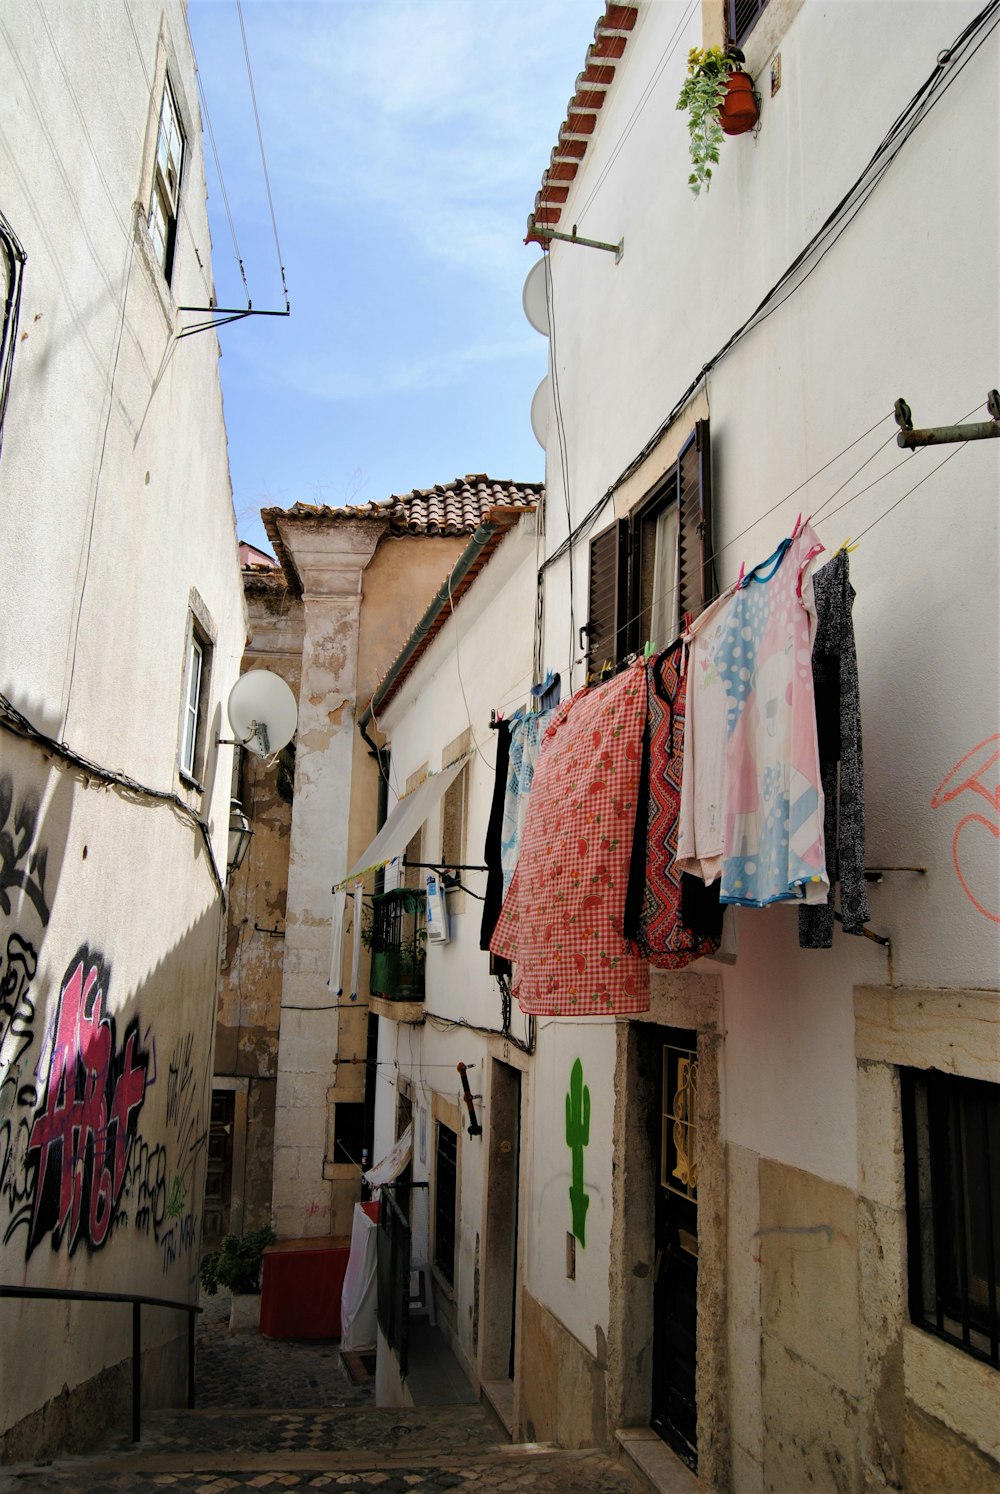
(363, 591)
(246, 1040)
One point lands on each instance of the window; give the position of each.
(12, 260)
(445, 1187)
(455, 804)
(652, 567)
(742, 17)
(951, 1143)
(194, 702)
(164, 197)
(348, 1132)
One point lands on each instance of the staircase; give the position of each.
(420, 1450)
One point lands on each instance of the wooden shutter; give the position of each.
(606, 592)
(742, 17)
(695, 567)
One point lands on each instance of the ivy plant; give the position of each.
(703, 93)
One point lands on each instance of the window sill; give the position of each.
(397, 1011)
(189, 782)
(442, 1284)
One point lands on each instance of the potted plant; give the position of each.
(720, 99)
(236, 1267)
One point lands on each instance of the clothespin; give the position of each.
(739, 578)
(798, 526)
(847, 547)
(648, 649)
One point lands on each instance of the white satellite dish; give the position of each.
(540, 408)
(534, 298)
(262, 711)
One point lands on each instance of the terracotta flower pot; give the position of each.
(739, 111)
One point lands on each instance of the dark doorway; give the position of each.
(219, 1171)
(500, 1267)
(675, 1290)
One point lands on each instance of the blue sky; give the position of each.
(405, 143)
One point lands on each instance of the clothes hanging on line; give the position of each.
(562, 920)
(658, 898)
(526, 732)
(838, 722)
(492, 850)
(755, 669)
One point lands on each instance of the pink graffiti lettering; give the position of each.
(978, 772)
(84, 1127)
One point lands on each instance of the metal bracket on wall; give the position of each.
(944, 435)
(547, 234)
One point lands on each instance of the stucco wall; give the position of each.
(904, 303)
(118, 525)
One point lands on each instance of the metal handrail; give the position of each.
(138, 1301)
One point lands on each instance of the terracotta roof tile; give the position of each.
(611, 36)
(457, 507)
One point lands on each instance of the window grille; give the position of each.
(951, 1143)
(399, 944)
(392, 1271)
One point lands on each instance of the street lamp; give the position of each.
(239, 836)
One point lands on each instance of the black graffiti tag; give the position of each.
(21, 867)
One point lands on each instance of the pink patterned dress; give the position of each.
(561, 923)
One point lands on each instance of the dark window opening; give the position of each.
(653, 567)
(348, 1131)
(445, 1184)
(951, 1142)
(742, 16)
(398, 944)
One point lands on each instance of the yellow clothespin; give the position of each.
(847, 547)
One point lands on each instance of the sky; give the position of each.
(405, 141)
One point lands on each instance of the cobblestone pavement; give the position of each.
(276, 1415)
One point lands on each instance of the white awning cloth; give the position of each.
(393, 1162)
(404, 821)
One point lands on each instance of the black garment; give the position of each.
(493, 901)
(838, 723)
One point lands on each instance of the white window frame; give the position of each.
(194, 674)
(168, 169)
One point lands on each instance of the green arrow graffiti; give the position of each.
(577, 1137)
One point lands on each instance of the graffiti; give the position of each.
(87, 1121)
(178, 1197)
(577, 1137)
(182, 1235)
(17, 1019)
(144, 1197)
(22, 865)
(978, 772)
(14, 1189)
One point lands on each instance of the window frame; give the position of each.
(736, 33)
(941, 1197)
(445, 1268)
(617, 560)
(199, 639)
(163, 193)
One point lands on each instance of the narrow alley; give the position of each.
(284, 1414)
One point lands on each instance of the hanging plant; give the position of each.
(720, 100)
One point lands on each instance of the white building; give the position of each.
(123, 625)
(795, 1321)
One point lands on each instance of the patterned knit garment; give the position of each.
(561, 922)
(838, 719)
(662, 937)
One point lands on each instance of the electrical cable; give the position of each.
(12, 720)
(908, 120)
(263, 158)
(222, 183)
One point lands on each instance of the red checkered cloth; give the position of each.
(561, 922)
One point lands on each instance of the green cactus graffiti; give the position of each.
(577, 1137)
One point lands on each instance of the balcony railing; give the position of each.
(399, 945)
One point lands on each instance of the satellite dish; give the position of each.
(262, 711)
(540, 407)
(534, 298)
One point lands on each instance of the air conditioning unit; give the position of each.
(437, 910)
